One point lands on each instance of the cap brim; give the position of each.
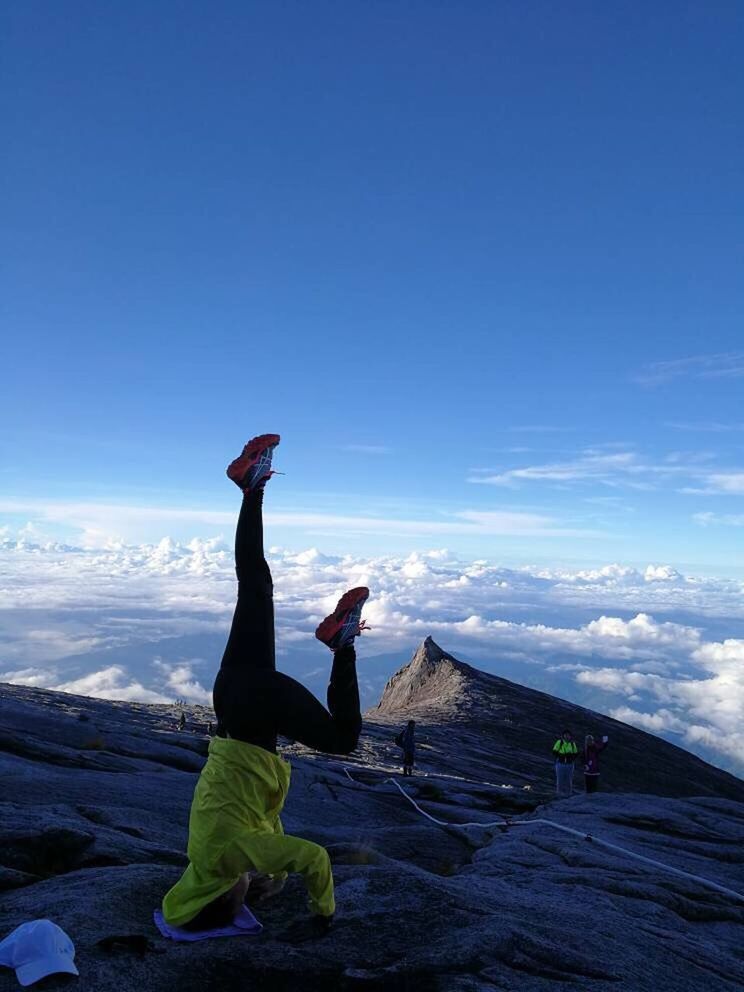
(27, 974)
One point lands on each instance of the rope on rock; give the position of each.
(505, 824)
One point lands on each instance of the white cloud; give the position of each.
(723, 365)
(618, 680)
(595, 466)
(180, 679)
(111, 683)
(717, 484)
(464, 523)
(149, 622)
(104, 525)
(706, 707)
(661, 573)
(727, 482)
(722, 519)
(170, 681)
(36, 677)
(687, 471)
(656, 723)
(711, 427)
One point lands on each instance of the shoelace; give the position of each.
(263, 480)
(350, 630)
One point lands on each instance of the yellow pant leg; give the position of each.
(274, 854)
(279, 829)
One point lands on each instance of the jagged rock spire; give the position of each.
(431, 678)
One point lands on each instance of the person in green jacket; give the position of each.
(565, 752)
(236, 841)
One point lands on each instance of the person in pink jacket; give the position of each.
(591, 761)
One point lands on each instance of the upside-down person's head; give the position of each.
(221, 911)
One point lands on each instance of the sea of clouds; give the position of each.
(655, 648)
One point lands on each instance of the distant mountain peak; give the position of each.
(432, 679)
(431, 649)
(512, 728)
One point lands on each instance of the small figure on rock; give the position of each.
(210, 729)
(406, 740)
(182, 721)
(565, 752)
(235, 834)
(591, 761)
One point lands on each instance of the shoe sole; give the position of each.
(238, 469)
(328, 628)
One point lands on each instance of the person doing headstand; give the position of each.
(236, 838)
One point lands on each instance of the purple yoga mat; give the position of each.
(244, 924)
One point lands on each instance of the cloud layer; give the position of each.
(656, 648)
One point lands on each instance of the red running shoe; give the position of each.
(340, 628)
(253, 468)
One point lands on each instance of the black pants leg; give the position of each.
(591, 782)
(251, 640)
(300, 717)
(255, 703)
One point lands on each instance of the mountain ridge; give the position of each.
(521, 724)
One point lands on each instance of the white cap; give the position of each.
(37, 949)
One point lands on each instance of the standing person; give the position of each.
(591, 761)
(406, 739)
(182, 721)
(235, 833)
(565, 752)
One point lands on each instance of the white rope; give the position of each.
(443, 823)
(504, 823)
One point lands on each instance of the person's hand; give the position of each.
(264, 887)
(605, 739)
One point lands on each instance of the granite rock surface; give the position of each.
(93, 824)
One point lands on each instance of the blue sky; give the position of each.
(479, 264)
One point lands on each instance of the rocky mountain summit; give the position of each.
(510, 727)
(94, 816)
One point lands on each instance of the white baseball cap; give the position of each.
(37, 949)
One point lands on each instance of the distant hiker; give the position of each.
(234, 828)
(406, 740)
(210, 729)
(591, 761)
(182, 721)
(565, 752)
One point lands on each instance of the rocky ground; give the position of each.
(93, 831)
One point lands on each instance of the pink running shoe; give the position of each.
(339, 629)
(252, 469)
